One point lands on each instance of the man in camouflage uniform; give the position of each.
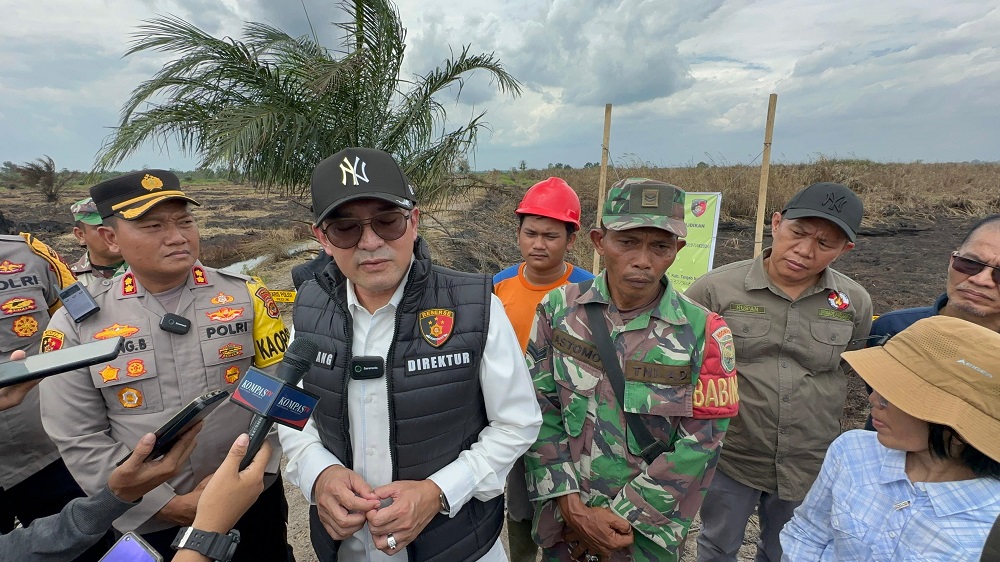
(96, 414)
(599, 495)
(98, 261)
(34, 481)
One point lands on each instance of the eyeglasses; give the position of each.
(346, 233)
(969, 266)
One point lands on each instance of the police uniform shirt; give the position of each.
(31, 275)
(95, 415)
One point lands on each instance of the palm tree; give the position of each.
(270, 106)
(43, 176)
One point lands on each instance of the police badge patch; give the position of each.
(436, 325)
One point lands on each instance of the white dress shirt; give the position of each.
(479, 472)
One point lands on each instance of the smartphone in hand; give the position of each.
(170, 432)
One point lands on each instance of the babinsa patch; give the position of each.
(724, 337)
(436, 325)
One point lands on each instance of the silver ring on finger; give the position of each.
(392, 542)
(592, 558)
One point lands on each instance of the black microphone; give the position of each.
(298, 357)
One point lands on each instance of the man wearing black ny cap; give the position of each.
(425, 400)
(791, 315)
(189, 330)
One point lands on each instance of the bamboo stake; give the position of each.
(765, 166)
(603, 182)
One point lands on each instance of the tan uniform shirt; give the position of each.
(95, 415)
(792, 387)
(31, 275)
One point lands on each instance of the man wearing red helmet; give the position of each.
(549, 216)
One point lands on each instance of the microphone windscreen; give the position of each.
(300, 354)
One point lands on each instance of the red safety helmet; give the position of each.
(552, 198)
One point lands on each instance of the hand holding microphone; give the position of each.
(277, 398)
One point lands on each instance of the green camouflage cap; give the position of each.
(85, 210)
(641, 202)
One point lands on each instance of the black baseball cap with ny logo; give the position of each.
(831, 201)
(359, 173)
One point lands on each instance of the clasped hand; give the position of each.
(346, 502)
(594, 530)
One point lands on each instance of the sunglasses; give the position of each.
(346, 233)
(970, 267)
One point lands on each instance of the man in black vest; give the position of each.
(425, 400)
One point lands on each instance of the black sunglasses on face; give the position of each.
(970, 267)
(346, 233)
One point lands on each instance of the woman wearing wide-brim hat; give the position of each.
(926, 484)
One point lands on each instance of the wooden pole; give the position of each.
(603, 182)
(765, 166)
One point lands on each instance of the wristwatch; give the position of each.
(216, 546)
(445, 506)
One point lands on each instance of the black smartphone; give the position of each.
(170, 432)
(59, 361)
(78, 302)
(131, 548)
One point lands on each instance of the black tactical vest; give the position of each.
(436, 407)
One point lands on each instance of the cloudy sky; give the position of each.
(890, 80)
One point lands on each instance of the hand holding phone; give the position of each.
(168, 433)
(60, 361)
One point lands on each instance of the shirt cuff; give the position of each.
(457, 483)
(152, 502)
(310, 468)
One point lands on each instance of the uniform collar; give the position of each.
(946, 498)
(668, 309)
(198, 277)
(757, 278)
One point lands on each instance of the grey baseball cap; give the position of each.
(831, 201)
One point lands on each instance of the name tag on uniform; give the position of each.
(367, 367)
(670, 375)
(576, 348)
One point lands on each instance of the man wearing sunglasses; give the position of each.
(972, 292)
(791, 315)
(425, 400)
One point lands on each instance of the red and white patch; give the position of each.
(116, 330)
(52, 340)
(8, 267)
(265, 297)
(129, 286)
(17, 305)
(198, 274)
(838, 300)
(225, 314)
(135, 368)
(222, 298)
(230, 350)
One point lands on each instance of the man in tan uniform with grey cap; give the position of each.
(95, 414)
(791, 315)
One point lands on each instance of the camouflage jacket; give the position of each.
(679, 362)
(87, 274)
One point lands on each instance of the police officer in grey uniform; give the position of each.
(94, 414)
(34, 481)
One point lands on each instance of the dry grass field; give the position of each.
(915, 215)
